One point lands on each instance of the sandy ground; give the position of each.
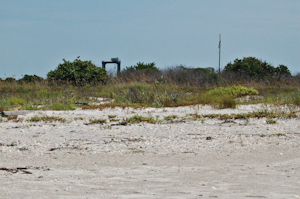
(185, 158)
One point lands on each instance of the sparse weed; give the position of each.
(170, 117)
(13, 144)
(97, 121)
(14, 118)
(271, 121)
(104, 127)
(46, 119)
(61, 106)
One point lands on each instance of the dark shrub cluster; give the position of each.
(31, 78)
(251, 68)
(78, 73)
(198, 77)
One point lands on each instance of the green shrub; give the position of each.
(31, 78)
(141, 66)
(255, 69)
(10, 79)
(78, 73)
(233, 91)
(184, 76)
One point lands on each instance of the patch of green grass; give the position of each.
(46, 119)
(15, 101)
(232, 91)
(170, 117)
(271, 135)
(61, 106)
(31, 107)
(245, 116)
(271, 121)
(4, 106)
(138, 119)
(296, 98)
(140, 92)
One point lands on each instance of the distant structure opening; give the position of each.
(113, 61)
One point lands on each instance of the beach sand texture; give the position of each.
(183, 158)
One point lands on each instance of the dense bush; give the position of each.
(233, 91)
(78, 73)
(251, 68)
(31, 78)
(141, 66)
(141, 72)
(199, 77)
(9, 79)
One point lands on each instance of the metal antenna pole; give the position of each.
(219, 53)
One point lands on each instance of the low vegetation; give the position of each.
(46, 119)
(138, 119)
(78, 84)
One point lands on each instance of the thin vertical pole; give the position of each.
(219, 53)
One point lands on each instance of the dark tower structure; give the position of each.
(113, 61)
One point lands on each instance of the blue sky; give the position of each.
(35, 35)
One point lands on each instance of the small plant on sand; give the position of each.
(138, 119)
(13, 144)
(104, 127)
(14, 118)
(170, 117)
(271, 121)
(97, 121)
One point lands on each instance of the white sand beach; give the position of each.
(179, 158)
